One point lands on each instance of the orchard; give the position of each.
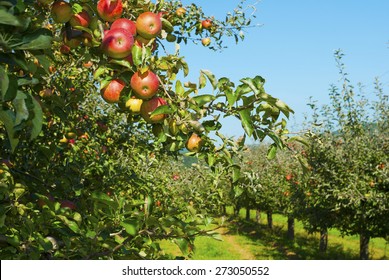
(92, 111)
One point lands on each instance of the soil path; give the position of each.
(236, 246)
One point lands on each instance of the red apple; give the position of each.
(81, 19)
(64, 49)
(206, 23)
(206, 41)
(145, 85)
(61, 11)
(118, 43)
(111, 92)
(148, 25)
(68, 204)
(149, 106)
(124, 23)
(110, 10)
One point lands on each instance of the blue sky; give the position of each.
(293, 48)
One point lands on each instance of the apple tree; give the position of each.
(92, 110)
(346, 163)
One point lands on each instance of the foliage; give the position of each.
(84, 179)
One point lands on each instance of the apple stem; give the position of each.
(164, 87)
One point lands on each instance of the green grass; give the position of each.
(248, 240)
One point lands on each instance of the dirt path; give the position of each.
(236, 246)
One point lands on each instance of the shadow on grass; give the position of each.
(276, 245)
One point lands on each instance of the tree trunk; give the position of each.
(237, 210)
(290, 228)
(269, 219)
(247, 214)
(323, 240)
(258, 216)
(364, 246)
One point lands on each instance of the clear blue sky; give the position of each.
(293, 48)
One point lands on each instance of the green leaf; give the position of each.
(164, 109)
(8, 118)
(235, 173)
(272, 151)
(37, 119)
(231, 97)
(121, 62)
(131, 226)
(38, 40)
(247, 123)
(19, 103)
(8, 85)
(283, 107)
(179, 88)
(211, 77)
(201, 100)
(72, 225)
(9, 19)
(183, 244)
(202, 80)
(137, 55)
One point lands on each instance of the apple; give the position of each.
(118, 43)
(149, 106)
(81, 19)
(61, 11)
(194, 143)
(206, 41)
(110, 10)
(145, 85)
(134, 105)
(64, 49)
(124, 23)
(288, 177)
(148, 25)
(206, 23)
(111, 92)
(180, 12)
(68, 204)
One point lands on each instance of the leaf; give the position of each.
(8, 86)
(231, 97)
(202, 80)
(164, 109)
(37, 119)
(131, 226)
(247, 123)
(137, 55)
(201, 100)
(38, 40)
(103, 198)
(8, 118)
(179, 88)
(121, 62)
(72, 225)
(211, 77)
(272, 151)
(19, 103)
(235, 173)
(284, 108)
(9, 19)
(183, 244)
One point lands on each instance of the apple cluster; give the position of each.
(117, 37)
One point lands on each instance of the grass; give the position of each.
(248, 240)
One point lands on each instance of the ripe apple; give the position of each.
(64, 49)
(288, 177)
(206, 41)
(68, 204)
(61, 11)
(145, 85)
(206, 23)
(111, 92)
(194, 143)
(180, 11)
(125, 23)
(149, 106)
(118, 43)
(45, 2)
(110, 10)
(81, 19)
(148, 25)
